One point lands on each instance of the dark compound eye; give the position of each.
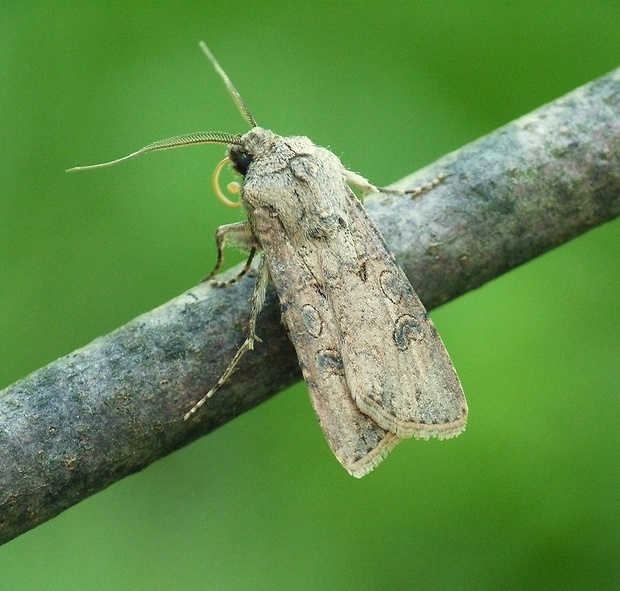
(241, 161)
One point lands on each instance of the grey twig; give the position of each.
(110, 409)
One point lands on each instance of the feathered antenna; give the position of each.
(190, 139)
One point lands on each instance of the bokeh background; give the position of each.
(527, 498)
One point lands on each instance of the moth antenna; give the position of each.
(234, 93)
(190, 139)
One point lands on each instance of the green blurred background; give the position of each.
(527, 498)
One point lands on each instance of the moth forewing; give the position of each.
(356, 440)
(396, 365)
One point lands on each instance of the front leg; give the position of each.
(240, 236)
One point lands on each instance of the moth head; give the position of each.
(240, 159)
(250, 147)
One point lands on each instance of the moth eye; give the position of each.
(241, 161)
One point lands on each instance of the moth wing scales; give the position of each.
(356, 440)
(396, 365)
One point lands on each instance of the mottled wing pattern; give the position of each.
(356, 440)
(376, 368)
(395, 363)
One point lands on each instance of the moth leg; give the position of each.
(361, 183)
(366, 186)
(246, 267)
(258, 299)
(417, 191)
(240, 236)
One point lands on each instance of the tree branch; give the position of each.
(113, 407)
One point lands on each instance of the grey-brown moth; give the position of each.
(376, 369)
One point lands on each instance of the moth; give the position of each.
(376, 369)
